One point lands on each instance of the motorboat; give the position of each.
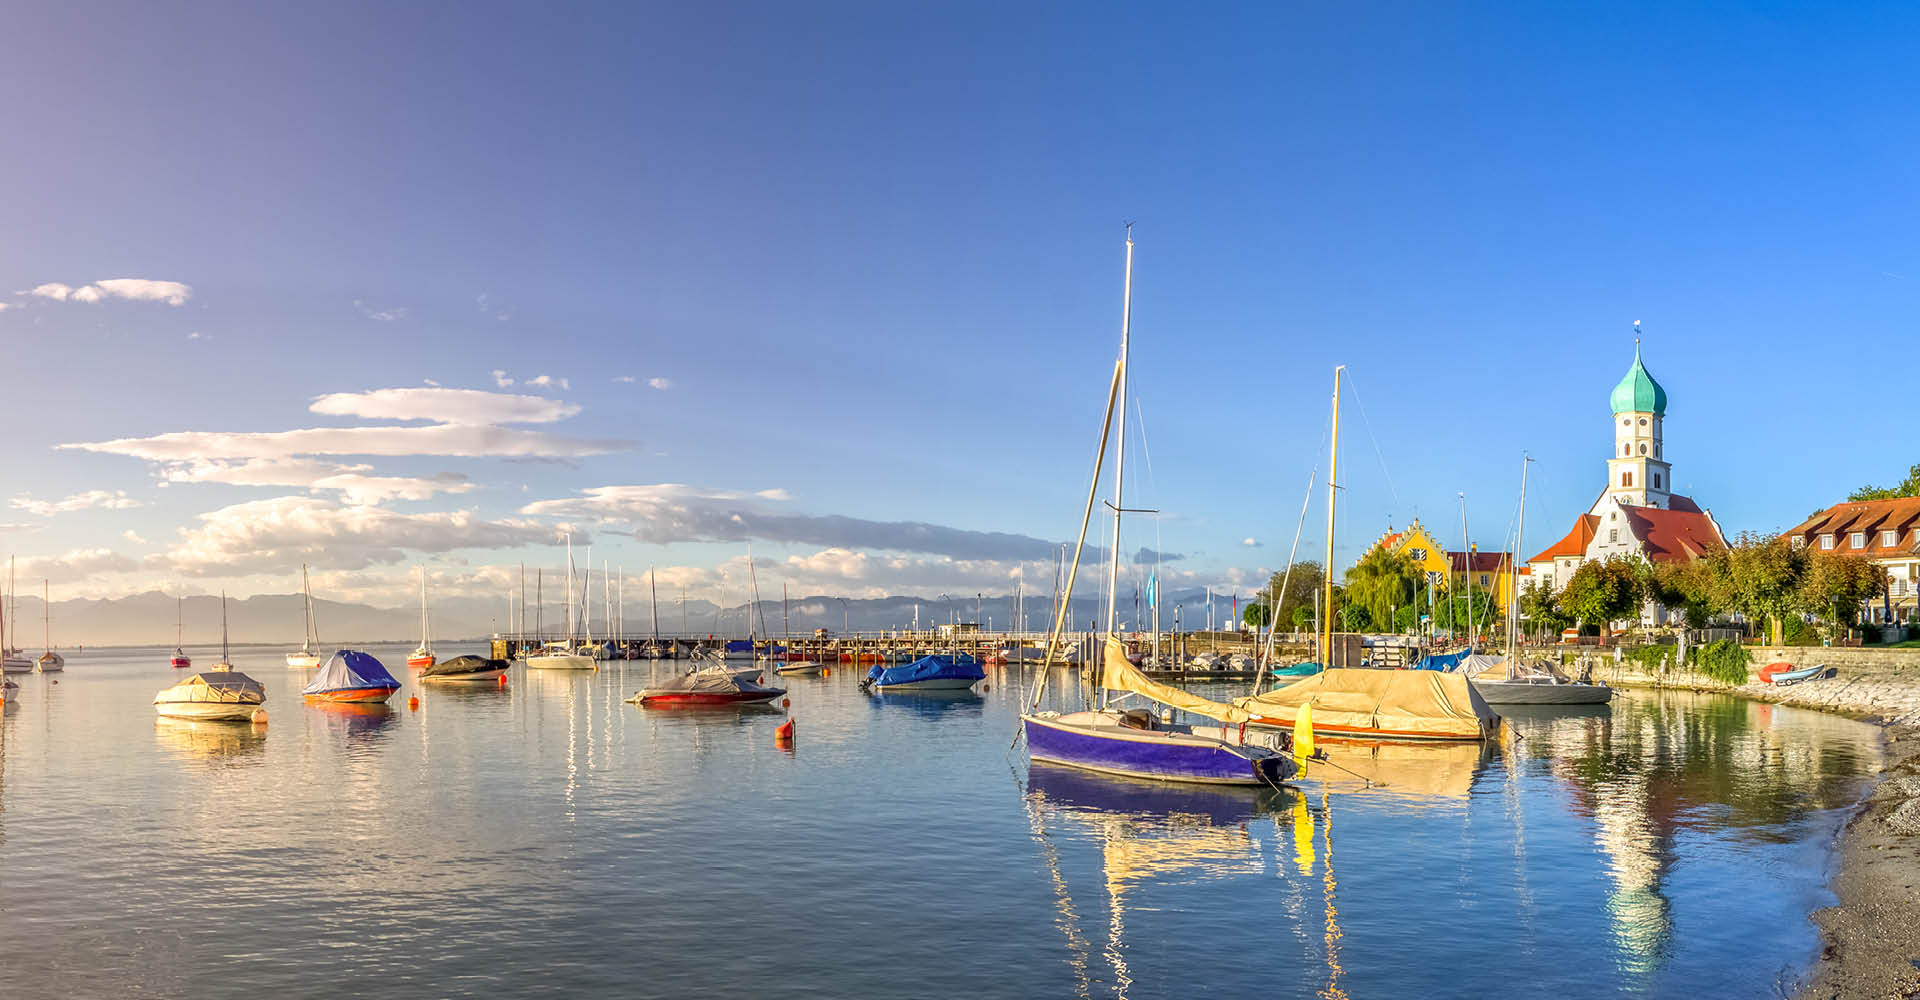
(306, 656)
(216, 695)
(1359, 703)
(353, 677)
(708, 686)
(1208, 661)
(800, 667)
(465, 670)
(1501, 681)
(937, 672)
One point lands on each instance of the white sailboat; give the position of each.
(563, 654)
(180, 660)
(13, 660)
(226, 660)
(308, 656)
(50, 661)
(422, 655)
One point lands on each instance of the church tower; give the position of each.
(1638, 473)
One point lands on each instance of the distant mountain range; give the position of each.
(148, 619)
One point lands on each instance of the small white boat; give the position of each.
(217, 695)
(556, 656)
(1208, 661)
(1502, 682)
(799, 667)
(8, 691)
(306, 657)
(49, 662)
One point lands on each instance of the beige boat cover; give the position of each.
(225, 686)
(1120, 675)
(1411, 704)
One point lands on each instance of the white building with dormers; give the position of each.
(1637, 513)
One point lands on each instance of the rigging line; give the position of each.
(1374, 438)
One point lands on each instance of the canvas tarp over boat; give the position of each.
(350, 670)
(1120, 675)
(1442, 661)
(1499, 668)
(1390, 704)
(712, 680)
(222, 686)
(463, 665)
(927, 668)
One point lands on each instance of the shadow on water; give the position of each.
(957, 704)
(362, 728)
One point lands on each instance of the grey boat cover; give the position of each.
(224, 686)
(712, 680)
(463, 665)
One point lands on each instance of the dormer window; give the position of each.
(1857, 540)
(1799, 541)
(1826, 541)
(1888, 539)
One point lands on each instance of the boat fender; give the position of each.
(259, 717)
(502, 679)
(786, 703)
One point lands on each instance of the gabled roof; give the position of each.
(1674, 535)
(1900, 515)
(1575, 542)
(1483, 562)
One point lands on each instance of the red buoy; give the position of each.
(413, 704)
(786, 703)
(784, 735)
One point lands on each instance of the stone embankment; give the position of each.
(1880, 684)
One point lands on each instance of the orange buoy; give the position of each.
(259, 717)
(784, 735)
(826, 671)
(502, 679)
(413, 704)
(786, 703)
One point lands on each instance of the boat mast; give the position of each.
(225, 657)
(539, 606)
(653, 603)
(1120, 445)
(569, 591)
(1513, 568)
(46, 614)
(1333, 485)
(1467, 558)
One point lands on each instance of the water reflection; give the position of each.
(1421, 774)
(930, 703)
(217, 742)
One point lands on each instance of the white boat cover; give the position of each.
(228, 687)
(1120, 675)
(712, 680)
(1407, 704)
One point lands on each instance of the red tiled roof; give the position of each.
(1483, 562)
(1900, 515)
(1674, 535)
(1575, 542)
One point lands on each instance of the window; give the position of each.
(1643, 421)
(1613, 534)
(1826, 541)
(1857, 540)
(1483, 579)
(1799, 541)
(1419, 555)
(1626, 451)
(1643, 449)
(1656, 480)
(1888, 539)
(1626, 479)
(1656, 449)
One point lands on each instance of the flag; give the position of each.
(1153, 590)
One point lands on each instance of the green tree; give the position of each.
(1382, 581)
(1759, 577)
(1686, 589)
(1834, 586)
(1452, 610)
(1296, 590)
(1254, 615)
(1603, 591)
(1910, 487)
(1355, 618)
(1541, 607)
(1303, 617)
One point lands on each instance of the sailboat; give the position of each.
(180, 660)
(1134, 743)
(422, 655)
(563, 655)
(220, 694)
(792, 666)
(307, 656)
(50, 661)
(12, 659)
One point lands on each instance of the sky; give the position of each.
(399, 288)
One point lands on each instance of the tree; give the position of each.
(1686, 589)
(1302, 618)
(1381, 581)
(1452, 610)
(1759, 577)
(1355, 618)
(1254, 616)
(1908, 488)
(1603, 591)
(1834, 586)
(1305, 581)
(1541, 606)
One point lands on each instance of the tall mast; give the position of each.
(539, 606)
(46, 614)
(1333, 479)
(653, 602)
(1120, 446)
(1513, 567)
(569, 589)
(225, 657)
(1467, 556)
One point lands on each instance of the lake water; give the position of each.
(551, 839)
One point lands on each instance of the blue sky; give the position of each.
(874, 252)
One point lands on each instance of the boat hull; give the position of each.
(934, 684)
(180, 663)
(1512, 693)
(471, 677)
(420, 661)
(353, 696)
(207, 711)
(563, 661)
(302, 660)
(691, 699)
(52, 663)
(1162, 755)
(1323, 730)
(804, 667)
(16, 665)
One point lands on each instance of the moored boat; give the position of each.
(800, 667)
(350, 675)
(49, 661)
(12, 659)
(707, 687)
(306, 655)
(8, 691)
(555, 656)
(422, 655)
(929, 673)
(1501, 681)
(1378, 704)
(464, 670)
(179, 660)
(216, 695)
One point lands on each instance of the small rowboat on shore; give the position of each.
(1783, 674)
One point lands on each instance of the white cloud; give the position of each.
(501, 380)
(133, 536)
(75, 565)
(660, 383)
(102, 499)
(626, 379)
(355, 484)
(17, 526)
(388, 315)
(549, 381)
(466, 407)
(267, 536)
(197, 335)
(173, 293)
(1250, 543)
(4, 306)
(435, 439)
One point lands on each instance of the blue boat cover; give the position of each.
(1443, 661)
(348, 670)
(739, 645)
(1297, 670)
(927, 668)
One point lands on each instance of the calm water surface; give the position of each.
(550, 839)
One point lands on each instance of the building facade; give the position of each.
(1885, 531)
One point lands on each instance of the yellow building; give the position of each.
(1418, 544)
(1491, 572)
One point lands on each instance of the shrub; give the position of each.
(1795, 632)
(1648, 657)
(1725, 661)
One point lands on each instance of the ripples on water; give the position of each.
(551, 839)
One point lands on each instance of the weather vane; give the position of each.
(1636, 333)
